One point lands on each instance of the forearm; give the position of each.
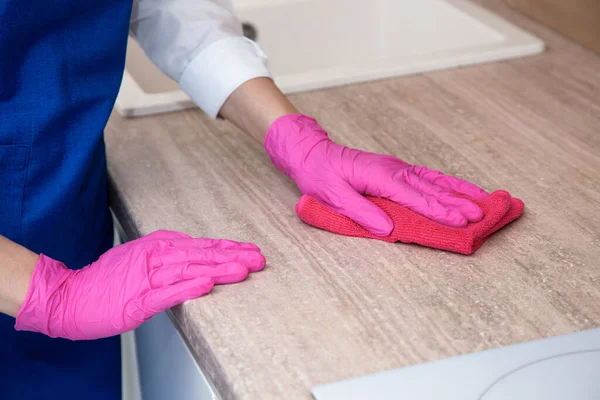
(255, 105)
(16, 268)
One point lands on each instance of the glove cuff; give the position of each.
(36, 313)
(290, 138)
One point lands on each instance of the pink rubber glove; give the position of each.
(339, 177)
(130, 283)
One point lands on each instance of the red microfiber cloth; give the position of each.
(499, 209)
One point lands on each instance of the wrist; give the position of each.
(16, 270)
(255, 105)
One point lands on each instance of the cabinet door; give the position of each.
(167, 369)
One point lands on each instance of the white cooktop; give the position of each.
(314, 44)
(558, 368)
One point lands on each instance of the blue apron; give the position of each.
(61, 64)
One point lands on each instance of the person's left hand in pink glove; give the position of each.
(339, 176)
(130, 283)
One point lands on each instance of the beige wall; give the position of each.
(577, 19)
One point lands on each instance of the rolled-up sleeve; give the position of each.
(198, 43)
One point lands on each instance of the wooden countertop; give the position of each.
(327, 307)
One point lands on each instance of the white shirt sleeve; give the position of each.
(198, 43)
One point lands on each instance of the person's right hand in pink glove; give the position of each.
(339, 176)
(130, 283)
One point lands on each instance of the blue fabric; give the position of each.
(61, 64)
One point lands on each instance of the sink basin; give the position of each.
(314, 44)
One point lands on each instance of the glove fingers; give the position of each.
(353, 205)
(451, 183)
(172, 295)
(471, 211)
(426, 205)
(254, 260)
(222, 244)
(232, 272)
(181, 264)
(232, 245)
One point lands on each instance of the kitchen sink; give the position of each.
(315, 44)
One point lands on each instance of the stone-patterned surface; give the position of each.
(327, 307)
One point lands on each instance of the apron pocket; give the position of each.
(13, 171)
